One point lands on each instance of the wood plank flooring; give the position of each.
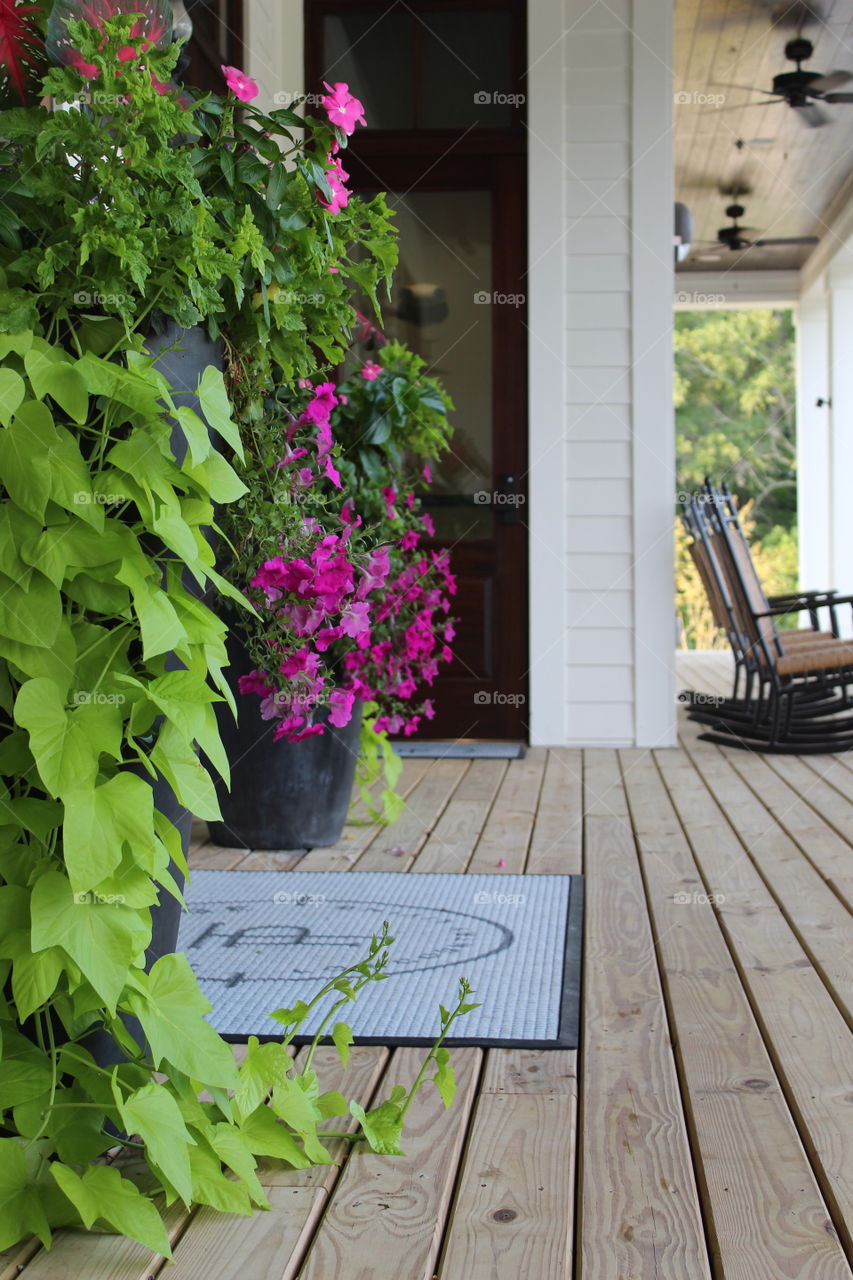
(703, 1130)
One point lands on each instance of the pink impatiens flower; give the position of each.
(241, 85)
(344, 110)
(371, 370)
(336, 177)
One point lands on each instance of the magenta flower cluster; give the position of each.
(394, 668)
(349, 619)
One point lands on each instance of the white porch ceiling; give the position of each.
(792, 179)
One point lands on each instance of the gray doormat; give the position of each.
(462, 749)
(261, 940)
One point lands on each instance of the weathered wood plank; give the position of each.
(506, 835)
(824, 848)
(78, 1254)
(513, 1215)
(806, 1034)
(817, 916)
(638, 1209)
(396, 847)
(557, 841)
(603, 793)
(357, 835)
(212, 857)
(530, 1071)
(270, 860)
(514, 1208)
(451, 844)
(764, 1209)
(385, 1218)
(14, 1259)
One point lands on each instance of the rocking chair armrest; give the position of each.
(806, 596)
(792, 604)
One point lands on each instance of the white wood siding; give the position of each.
(612, 147)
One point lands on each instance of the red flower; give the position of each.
(19, 44)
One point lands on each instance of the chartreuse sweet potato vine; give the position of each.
(111, 656)
(102, 536)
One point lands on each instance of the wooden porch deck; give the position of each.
(702, 1130)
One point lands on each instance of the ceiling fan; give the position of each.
(803, 90)
(735, 240)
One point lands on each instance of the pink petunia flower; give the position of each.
(255, 682)
(371, 370)
(241, 85)
(331, 473)
(343, 110)
(390, 496)
(341, 701)
(322, 403)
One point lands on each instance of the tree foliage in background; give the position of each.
(735, 421)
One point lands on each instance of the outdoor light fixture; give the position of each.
(683, 235)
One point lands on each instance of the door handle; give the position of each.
(509, 499)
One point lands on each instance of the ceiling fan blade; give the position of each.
(741, 106)
(787, 240)
(812, 116)
(837, 97)
(747, 88)
(833, 80)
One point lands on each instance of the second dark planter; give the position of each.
(284, 795)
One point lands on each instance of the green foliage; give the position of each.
(776, 562)
(382, 1127)
(111, 657)
(735, 406)
(388, 427)
(378, 763)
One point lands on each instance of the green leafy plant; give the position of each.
(111, 659)
(378, 770)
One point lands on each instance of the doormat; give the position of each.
(261, 940)
(462, 749)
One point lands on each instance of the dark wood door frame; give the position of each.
(477, 159)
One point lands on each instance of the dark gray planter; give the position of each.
(182, 367)
(284, 795)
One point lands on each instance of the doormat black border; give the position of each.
(569, 1030)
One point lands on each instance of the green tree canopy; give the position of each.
(735, 408)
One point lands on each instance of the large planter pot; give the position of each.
(182, 355)
(284, 795)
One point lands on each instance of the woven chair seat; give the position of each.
(825, 657)
(792, 639)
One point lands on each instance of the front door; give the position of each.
(455, 177)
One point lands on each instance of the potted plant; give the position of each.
(350, 607)
(111, 663)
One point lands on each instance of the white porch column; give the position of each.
(653, 435)
(840, 276)
(814, 446)
(547, 378)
